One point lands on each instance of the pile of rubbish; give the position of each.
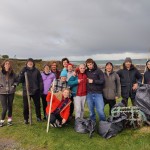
(121, 117)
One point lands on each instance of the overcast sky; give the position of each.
(78, 29)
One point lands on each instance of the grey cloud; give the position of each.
(73, 27)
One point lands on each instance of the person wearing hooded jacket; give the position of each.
(129, 78)
(35, 88)
(112, 87)
(147, 73)
(95, 84)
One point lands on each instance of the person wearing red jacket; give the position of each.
(78, 87)
(60, 108)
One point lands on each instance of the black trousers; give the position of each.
(44, 103)
(54, 117)
(7, 103)
(36, 100)
(71, 106)
(111, 104)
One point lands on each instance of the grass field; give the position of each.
(21, 136)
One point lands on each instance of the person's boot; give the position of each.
(44, 118)
(39, 120)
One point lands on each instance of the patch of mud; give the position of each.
(8, 144)
(145, 130)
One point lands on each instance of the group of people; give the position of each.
(71, 88)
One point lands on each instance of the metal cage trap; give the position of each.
(135, 117)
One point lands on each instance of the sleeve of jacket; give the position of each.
(16, 79)
(144, 78)
(118, 85)
(138, 76)
(73, 81)
(101, 79)
(119, 72)
(40, 82)
(21, 77)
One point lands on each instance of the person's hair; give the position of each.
(132, 66)
(66, 89)
(82, 65)
(109, 63)
(89, 60)
(53, 62)
(65, 59)
(46, 65)
(10, 72)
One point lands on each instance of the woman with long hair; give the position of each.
(8, 83)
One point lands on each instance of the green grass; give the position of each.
(35, 136)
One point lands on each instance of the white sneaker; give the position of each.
(58, 123)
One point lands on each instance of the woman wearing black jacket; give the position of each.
(35, 88)
(8, 83)
(129, 78)
(147, 73)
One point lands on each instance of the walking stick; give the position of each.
(50, 107)
(28, 97)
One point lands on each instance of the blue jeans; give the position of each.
(96, 100)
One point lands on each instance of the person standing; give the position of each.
(53, 68)
(147, 73)
(129, 78)
(95, 84)
(48, 77)
(8, 83)
(65, 62)
(35, 88)
(78, 87)
(112, 87)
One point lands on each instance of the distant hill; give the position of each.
(18, 64)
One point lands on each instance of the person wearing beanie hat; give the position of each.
(112, 87)
(48, 77)
(129, 78)
(70, 74)
(147, 73)
(61, 83)
(35, 88)
(63, 73)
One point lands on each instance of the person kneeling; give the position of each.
(60, 107)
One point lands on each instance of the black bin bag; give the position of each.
(143, 99)
(85, 126)
(112, 126)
